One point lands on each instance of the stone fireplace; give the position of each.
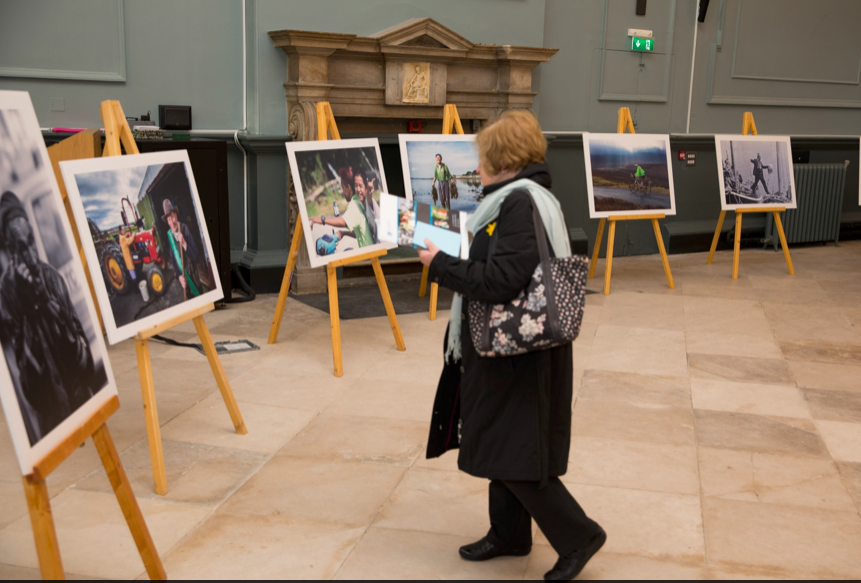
(376, 84)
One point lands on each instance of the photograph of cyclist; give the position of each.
(755, 170)
(628, 173)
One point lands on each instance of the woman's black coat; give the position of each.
(513, 414)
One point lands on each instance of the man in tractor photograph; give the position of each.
(184, 255)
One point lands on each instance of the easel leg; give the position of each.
(285, 283)
(664, 259)
(128, 503)
(153, 430)
(423, 286)
(433, 301)
(335, 320)
(47, 547)
(737, 247)
(220, 376)
(390, 308)
(779, 223)
(716, 238)
(598, 238)
(611, 238)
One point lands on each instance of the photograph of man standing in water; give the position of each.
(441, 170)
(53, 367)
(338, 186)
(147, 246)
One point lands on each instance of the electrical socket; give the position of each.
(58, 104)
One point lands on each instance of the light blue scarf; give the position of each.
(486, 213)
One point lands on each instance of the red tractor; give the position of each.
(145, 254)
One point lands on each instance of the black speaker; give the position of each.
(174, 117)
(704, 7)
(641, 7)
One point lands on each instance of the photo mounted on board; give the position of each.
(441, 170)
(629, 174)
(55, 372)
(144, 233)
(755, 171)
(338, 185)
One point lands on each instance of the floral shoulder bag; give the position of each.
(546, 314)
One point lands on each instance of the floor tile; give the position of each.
(397, 554)
(828, 376)
(843, 440)
(772, 479)
(720, 316)
(197, 475)
(721, 395)
(851, 473)
(13, 502)
(769, 536)
(615, 567)
(650, 424)
(268, 385)
(269, 428)
(234, 547)
(652, 524)
(301, 489)
(834, 405)
(638, 350)
(792, 290)
(736, 344)
(94, 537)
(633, 464)
(652, 311)
(388, 399)
(810, 323)
(635, 389)
(756, 433)
(8, 572)
(821, 351)
(360, 439)
(439, 502)
(742, 369)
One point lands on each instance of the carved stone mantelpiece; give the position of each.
(366, 77)
(410, 71)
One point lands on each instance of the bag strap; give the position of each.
(540, 233)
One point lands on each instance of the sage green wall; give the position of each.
(515, 22)
(177, 52)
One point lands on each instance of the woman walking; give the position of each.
(511, 416)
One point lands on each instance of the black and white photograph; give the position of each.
(629, 174)
(755, 170)
(338, 185)
(145, 237)
(54, 371)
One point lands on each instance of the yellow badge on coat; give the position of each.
(491, 228)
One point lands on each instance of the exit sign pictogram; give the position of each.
(642, 44)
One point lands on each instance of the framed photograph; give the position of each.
(755, 171)
(441, 170)
(144, 236)
(338, 185)
(55, 371)
(629, 174)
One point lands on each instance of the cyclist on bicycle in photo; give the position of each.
(639, 175)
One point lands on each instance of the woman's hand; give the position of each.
(427, 255)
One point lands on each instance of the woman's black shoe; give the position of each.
(484, 550)
(569, 566)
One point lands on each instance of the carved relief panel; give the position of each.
(416, 83)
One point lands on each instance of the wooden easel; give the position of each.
(748, 126)
(626, 122)
(450, 123)
(39, 502)
(86, 144)
(325, 125)
(116, 131)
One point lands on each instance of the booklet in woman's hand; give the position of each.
(409, 223)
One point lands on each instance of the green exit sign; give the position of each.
(642, 44)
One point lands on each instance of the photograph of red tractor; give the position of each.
(130, 255)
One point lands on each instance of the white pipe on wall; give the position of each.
(693, 63)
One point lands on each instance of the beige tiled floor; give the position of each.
(716, 434)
